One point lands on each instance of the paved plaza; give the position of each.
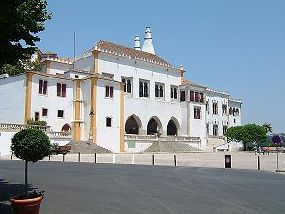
(107, 188)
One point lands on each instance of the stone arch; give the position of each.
(173, 126)
(133, 125)
(66, 128)
(154, 126)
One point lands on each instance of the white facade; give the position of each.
(120, 98)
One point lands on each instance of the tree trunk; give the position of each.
(244, 147)
(26, 177)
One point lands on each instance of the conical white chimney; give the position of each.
(147, 45)
(137, 43)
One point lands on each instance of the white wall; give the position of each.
(58, 67)
(108, 137)
(13, 90)
(52, 102)
(5, 142)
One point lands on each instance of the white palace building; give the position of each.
(120, 98)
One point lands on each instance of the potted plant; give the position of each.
(29, 145)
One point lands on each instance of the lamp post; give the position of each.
(91, 114)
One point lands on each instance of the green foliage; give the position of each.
(20, 21)
(267, 127)
(31, 145)
(247, 134)
(37, 123)
(20, 67)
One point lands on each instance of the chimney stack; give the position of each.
(147, 45)
(137, 43)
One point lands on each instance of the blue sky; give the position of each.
(235, 46)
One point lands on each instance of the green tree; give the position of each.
(30, 145)
(267, 127)
(20, 21)
(247, 134)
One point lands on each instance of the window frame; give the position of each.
(43, 87)
(62, 113)
(145, 84)
(160, 89)
(109, 91)
(197, 113)
(106, 122)
(43, 112)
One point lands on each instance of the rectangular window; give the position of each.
(159, 90)
(224, 130)
(182, 96)
(144, 88)
(108, 122)
(109, 91)
(196, 97)
(215, 130)
(44, 112)
(128, 84)
(173, 92)
(197, 113)
(43, 87)
(201, 98)
(37, 116)
(61, 89)
(60, 113)
(191, 95)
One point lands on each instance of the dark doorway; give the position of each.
(171, 128)
(152, 127)
(131, 126)
(66, 128)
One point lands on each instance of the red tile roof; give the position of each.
(115, 49)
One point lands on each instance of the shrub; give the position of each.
(37, 123)
(30, 145)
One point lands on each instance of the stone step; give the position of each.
(85, 147)
(163, 146)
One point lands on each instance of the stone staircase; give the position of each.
(164, 146)
(85, 147)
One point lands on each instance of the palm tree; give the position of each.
(267, 127)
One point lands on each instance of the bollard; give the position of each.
(12, 157)
(95, 158)
(175, 163)
(153, 159)
(48, 157)
(114, 158)
(133, 159)
(258, 162)
(78, 157)
(63, 156)
(228, 161)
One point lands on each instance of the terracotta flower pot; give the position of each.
(26, 206)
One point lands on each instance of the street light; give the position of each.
(91, 114)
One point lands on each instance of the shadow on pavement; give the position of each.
(7, 191)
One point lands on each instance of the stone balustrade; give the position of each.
(5, 127)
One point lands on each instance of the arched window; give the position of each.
(161, 91)
(132, 126)
(129, 86)
(152, 127)
(237, 112)
(175, 93)
(156, 91)
(230, 111)
(145, 89)
(234, 111)
(171, 128)
(66, 128)
(141, 89)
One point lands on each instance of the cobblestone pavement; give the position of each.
(240, 160)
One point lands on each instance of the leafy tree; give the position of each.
(247, 134)
(20, 67)
(30, 145)
(20, 21)
(267, 127)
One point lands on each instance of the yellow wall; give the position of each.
(122, 125)
(28, 96)
(96, 62)
(93, 107)
(77, 110)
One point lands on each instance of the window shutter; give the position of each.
(45, 88)
(58, 86)
(63, 90)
